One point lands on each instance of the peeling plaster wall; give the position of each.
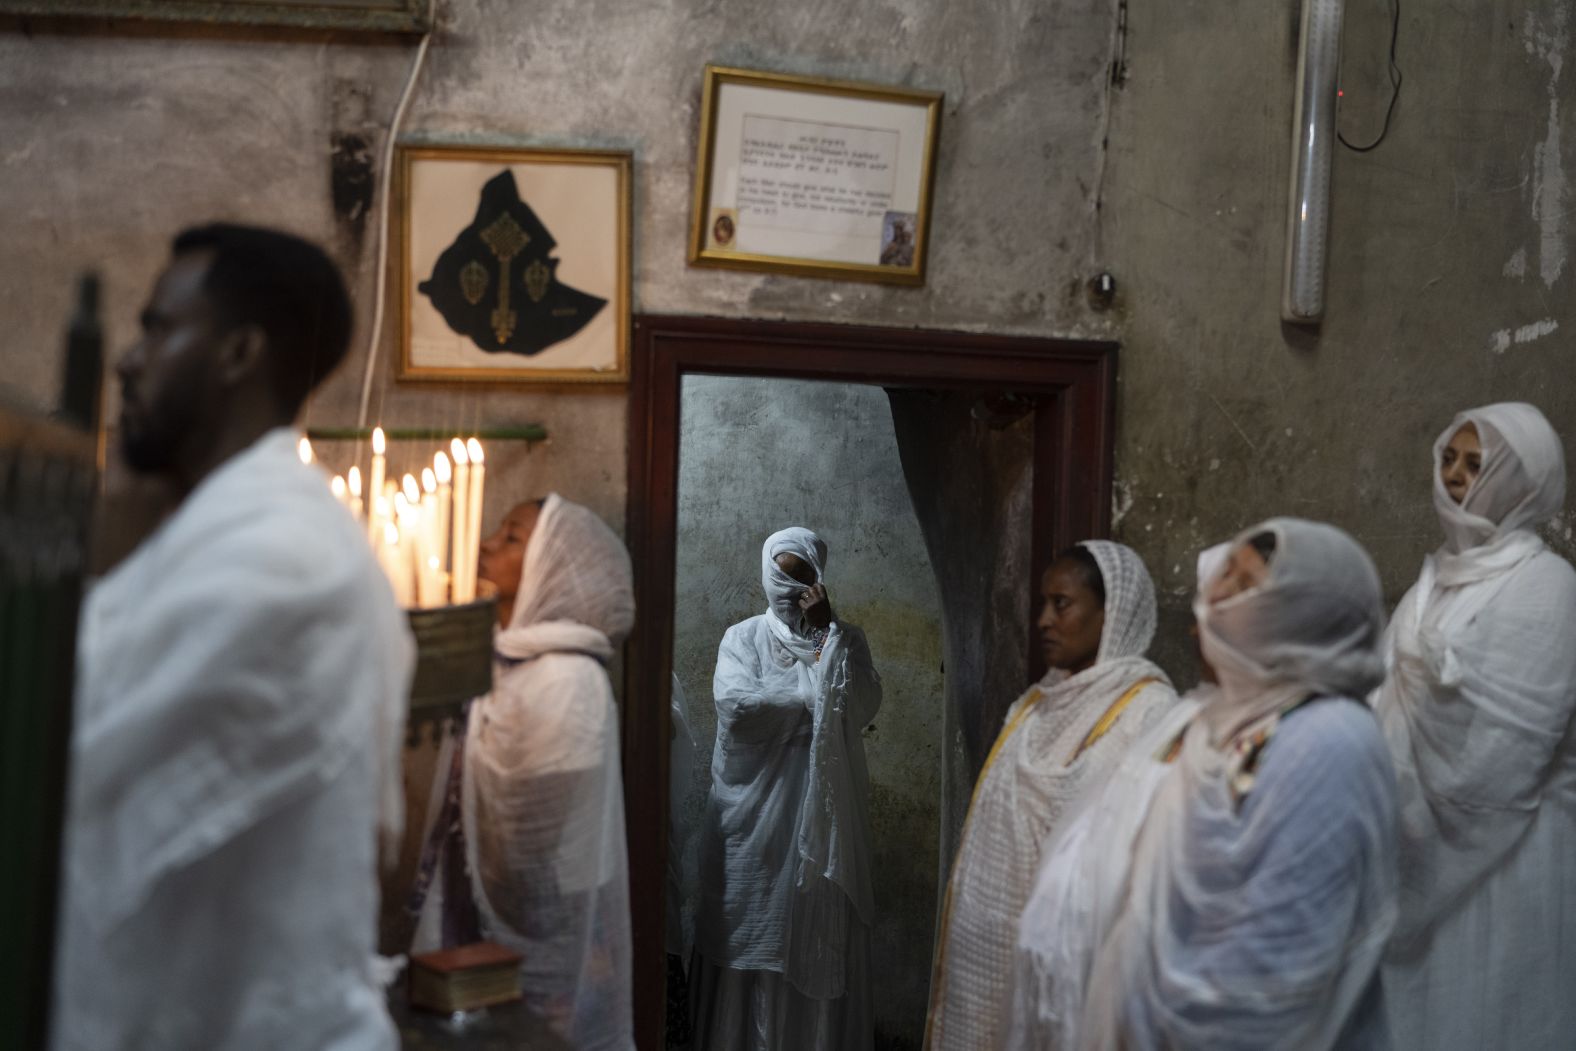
(758, 455)
(1448, 277)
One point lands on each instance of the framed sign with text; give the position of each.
(814, 177)
(512, 264)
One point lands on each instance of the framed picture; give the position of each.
(513, 264)
(819, 178)
(392, 16)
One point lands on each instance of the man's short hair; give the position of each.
(286, 286)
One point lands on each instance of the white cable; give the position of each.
(381, 277)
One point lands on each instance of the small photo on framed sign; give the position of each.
(513, 264)
(819, 178)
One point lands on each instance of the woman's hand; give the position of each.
(816, 606)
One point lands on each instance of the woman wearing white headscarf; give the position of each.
(1083, 875)
(1262, 889)
(543, 799)
(783, 922)
(1062, 738)
(1477, 712)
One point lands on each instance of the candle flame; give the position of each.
(429, 481)
(304, 450)
(338, 487)
(440, 464)
(378, 443)
(474, 448)
(457, 450)
(355, 481)
(432, 563)
(412, 490)
(390, 533)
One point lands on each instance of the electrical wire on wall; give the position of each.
(380, 277)
(1395, 85)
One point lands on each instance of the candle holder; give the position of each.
(454, 657)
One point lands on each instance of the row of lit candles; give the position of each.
(426, 532)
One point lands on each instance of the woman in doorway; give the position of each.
(1477, 712)
(1262, 887)
(783, 922)
(1061, 738)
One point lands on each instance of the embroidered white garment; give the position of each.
(1083, 877)
(1027, 786)
(782, 930)
(1477, 712)
(242, 683)
(1258, 920)
(543, 795)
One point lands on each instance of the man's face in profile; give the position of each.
(167, 376)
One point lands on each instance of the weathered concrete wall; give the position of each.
(1448, 280)
(112, 138)
(758, 455)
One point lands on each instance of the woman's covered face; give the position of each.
(502, 555)
(797, 568)
(1073, 617)
(1461, 461)
(1244, 570)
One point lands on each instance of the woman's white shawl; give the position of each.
(1477, 712)
(242, 682)
(1027, 786)
(1259, 922)
(786, 857)
(543, 799)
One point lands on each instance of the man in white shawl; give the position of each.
(783, 921)
(1061, 739)
(242, 680)
(543, 796)
(1262, 887)
(1477, 712)
(1083, 874)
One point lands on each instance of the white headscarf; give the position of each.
(1521, 484)
(783, 591)
(1480, 691)
(576, 587)
(1311, 628)
(1216, 946)
(1037, 771)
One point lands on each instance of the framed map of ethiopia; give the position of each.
(513, 264)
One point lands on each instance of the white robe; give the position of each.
(1036, 773)
(1082, 882)
(1478, 714)
(786, 903)
(543, 793)
(242, 684)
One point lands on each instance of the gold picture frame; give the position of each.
(511, 264)
(814, 177)
(386, 16)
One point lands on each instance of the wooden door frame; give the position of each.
(1073, 454)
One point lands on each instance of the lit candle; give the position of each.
(304, 450)
(375, 489)
(337, 487)
(440, 538)
(462, 530)
(473, 449)
(393, 566)
(355, 491)
(429, 539)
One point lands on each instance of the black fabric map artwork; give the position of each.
(496, 284)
